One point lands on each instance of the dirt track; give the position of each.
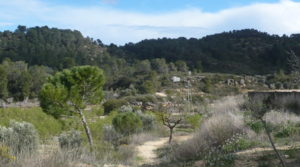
(146, 151)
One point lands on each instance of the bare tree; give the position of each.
(171, 115)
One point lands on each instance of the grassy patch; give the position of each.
(46, 125)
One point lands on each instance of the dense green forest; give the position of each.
(244, 52)
(29, 55)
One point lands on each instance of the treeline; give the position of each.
(242, 52)
(51, 47)
(21, 81)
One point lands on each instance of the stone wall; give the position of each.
(289, 100)
(26, 103)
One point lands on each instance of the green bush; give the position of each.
(256, 126)
(113, 104)
(126, 108)
(142, 98)
(147, 120)
(194, 120)
(147, 87)
(207, 87)
(127, 123)
(70, 140)
(238, 145)
(20, 137)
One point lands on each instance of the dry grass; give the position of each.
(214, 132)
(225, 121)
(227, 104)
(280, 117)
(56, 158)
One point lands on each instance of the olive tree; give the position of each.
(69, 92)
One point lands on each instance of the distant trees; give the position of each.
(181, 66)
(225, 52)
(69, 92)
(293, 62)
(160, 66)
(39, 75)
(143, 67)
(20, 81)
(51, 47)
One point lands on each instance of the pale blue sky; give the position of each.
(154, 6)
(122, 21)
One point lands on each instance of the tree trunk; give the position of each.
(171, 135)
(273, 145)
(87, 129)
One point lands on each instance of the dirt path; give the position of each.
(267, 149)
(147, 153)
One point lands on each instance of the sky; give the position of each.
(123, 21)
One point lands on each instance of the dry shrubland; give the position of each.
(214, 132)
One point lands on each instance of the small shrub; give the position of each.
(213, 133)
(70, 140)
(113, 104)
(238, 144)
(126, 108)
(223, 156)
(20, 137)
(207, 87)
(126, 154)
(222, 127)
(111, 135)
(142, 98)
(127, 123)
(148, 121)
(194, 120)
